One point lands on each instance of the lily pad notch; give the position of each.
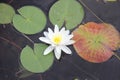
(30, 20)
(69, 12)
(35, 61)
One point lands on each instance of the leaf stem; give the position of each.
(118, 57)
(20, 71)
(4, 26)
(24, 36)
(10, 1)
(90, 10)
(41, 77)
(27, 38)
(14, 44)
(80, 69)
(114, 53)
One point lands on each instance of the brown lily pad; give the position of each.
(96, 42)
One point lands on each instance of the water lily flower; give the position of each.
(58, 40)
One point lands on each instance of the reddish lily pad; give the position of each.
(96, 42)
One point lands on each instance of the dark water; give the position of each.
(69, 67)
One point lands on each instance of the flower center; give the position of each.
(57, 39)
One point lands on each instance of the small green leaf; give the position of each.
(6, 13)
(30, 21)
(35, 61)
(69, 12)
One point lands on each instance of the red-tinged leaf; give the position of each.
(96, 42)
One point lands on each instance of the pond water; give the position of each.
(69, 67)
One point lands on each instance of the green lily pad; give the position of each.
(6, 13)
(35, 61)
(69, 12)
(30, 21)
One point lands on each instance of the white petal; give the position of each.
(66, 50)
(48, 50)
(70, 36)
(45, 34)
(50, 31)
(44, 39)
(62, 30)
(50, 36)
(67, 37)
(57, 52)
(70, 42)
(67, 32)
(56, 29)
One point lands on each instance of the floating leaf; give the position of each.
(6, 13)
(69, 12)
(30, 21)
(96, 42)
(35, 61)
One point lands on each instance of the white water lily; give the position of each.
(58, 40)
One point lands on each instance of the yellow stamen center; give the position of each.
(57, 39)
